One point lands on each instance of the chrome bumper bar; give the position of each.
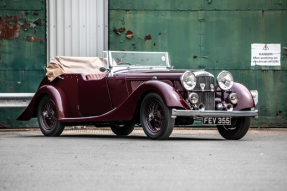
(213, 113)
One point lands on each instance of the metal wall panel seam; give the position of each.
(47, 33)
(106, 22)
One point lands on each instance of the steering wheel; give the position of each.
(124, 63)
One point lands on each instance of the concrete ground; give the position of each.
(191, 159)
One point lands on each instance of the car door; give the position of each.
(93, 96)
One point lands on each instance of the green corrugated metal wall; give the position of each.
(214, 35)
(22, 52)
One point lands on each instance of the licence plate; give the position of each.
(216, 120)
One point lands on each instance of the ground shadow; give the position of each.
(130, 137)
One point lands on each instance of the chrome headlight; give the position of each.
(224, 80)
(233, 98)
(193, 98)
(188, 80)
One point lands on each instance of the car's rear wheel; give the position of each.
(156, 117)
(122, 129)
(47, 117)
(237, 129)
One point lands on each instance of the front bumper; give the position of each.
(213, 113)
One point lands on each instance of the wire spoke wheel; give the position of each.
(154, 116)
(47, 117)
(48, 114)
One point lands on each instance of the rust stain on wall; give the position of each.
(2, 124)
(24, 26)
(129, 34)
(148, 37)
(277, 113)
(40, 41)
(9, 31)
(118, 31)
(38, 21)
(30, 39)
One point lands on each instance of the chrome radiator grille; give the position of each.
(207, 98)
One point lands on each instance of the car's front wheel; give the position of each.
(237, 129)
(156, 117)
(47, 117)
(122, 129)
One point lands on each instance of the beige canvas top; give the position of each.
(86, 65)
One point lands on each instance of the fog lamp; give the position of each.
(201, 107)
(193, 98)
(229, 107)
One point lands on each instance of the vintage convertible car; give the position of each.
(127, 88)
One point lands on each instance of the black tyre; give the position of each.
(155, 117)
(237, 129)
(122, 129)
(47, 117)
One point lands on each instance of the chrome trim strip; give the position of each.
(203, 73)
(213, 113)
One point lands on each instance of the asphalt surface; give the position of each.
(99, 160)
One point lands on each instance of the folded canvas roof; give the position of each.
(86, 65)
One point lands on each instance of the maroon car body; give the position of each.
(103, 99)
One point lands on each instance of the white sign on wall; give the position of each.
(265, 54)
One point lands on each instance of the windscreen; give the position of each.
(139, 58)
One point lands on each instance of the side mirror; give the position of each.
(103, 69)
